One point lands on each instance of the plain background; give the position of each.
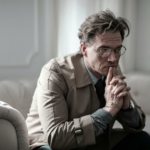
(34, 31)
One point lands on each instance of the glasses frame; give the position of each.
(110, 51)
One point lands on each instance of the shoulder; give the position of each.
(62, 68)
(65, 62)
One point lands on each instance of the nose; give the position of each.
(112, 57)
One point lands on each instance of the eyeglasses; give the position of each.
(105, 52)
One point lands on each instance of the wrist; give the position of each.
(128, 107)
(111, 110)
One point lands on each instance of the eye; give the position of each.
(104, 50)
(117, 50)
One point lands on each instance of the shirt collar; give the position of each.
(93, 78)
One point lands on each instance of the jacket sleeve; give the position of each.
(53, 112)
(141, 119)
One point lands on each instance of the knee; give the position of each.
(144, 138)
(145, 135)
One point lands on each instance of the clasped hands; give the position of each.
(116, 92)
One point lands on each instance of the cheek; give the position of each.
(104, 70)
(102, 63)
(94, 60)
(103, 66)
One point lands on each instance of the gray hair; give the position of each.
(100, 23)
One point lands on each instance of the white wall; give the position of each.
(142, 61)
(25, 37)
(71, 13)
(32, 32)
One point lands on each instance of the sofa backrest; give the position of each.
(140, 89)
(18, 94)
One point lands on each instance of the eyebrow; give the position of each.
(104, 46)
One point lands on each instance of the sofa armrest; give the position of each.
(13, 130)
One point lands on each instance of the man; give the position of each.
(79, 96)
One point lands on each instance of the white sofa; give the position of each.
(18, 94)
(15, 100)
(13, 130)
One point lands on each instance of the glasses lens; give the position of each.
(105, 52)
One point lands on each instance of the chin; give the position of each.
(105, 72)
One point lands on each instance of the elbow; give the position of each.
(58, 142)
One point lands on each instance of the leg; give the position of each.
(44, 147)
(134, 141)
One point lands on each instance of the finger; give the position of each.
(118, 89)
(117, 82)
(117, 79)
(120, 76)
(122, 94)
(109, 75)
(108, 89)
(127, 88)
(114, 71)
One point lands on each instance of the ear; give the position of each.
(83, 49)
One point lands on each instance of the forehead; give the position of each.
(108, 38)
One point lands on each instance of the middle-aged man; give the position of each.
(79, 96)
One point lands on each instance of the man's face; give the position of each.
(97, 64)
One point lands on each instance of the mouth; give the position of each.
(115, 66)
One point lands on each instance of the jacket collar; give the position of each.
(82, 77)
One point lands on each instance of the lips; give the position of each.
(111, 66)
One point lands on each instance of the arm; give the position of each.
(115, 104)
(133, 119)
(53, 112)
(102, 117)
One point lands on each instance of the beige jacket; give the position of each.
(63, 100)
